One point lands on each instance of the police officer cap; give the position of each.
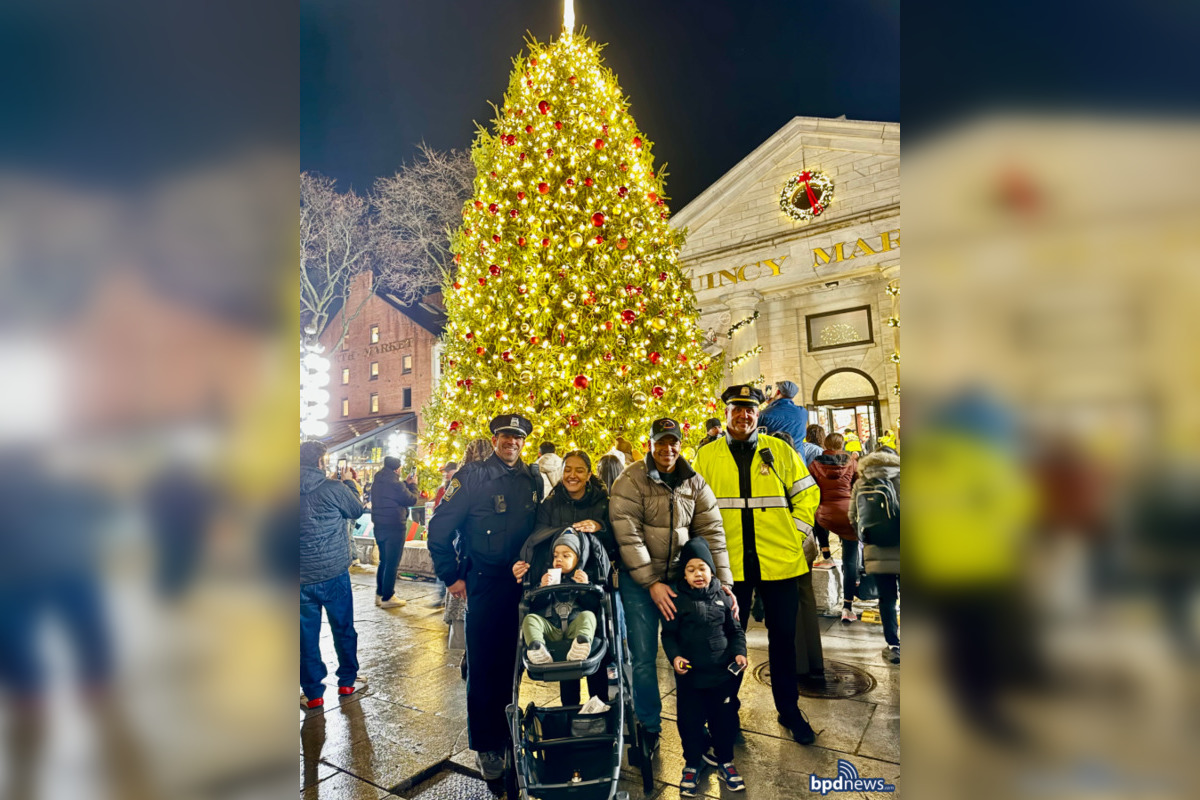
(664, 427)
(511, 423)
(743, 395)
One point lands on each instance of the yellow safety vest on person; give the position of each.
(778, 534)
(888, 439)
(853, 445)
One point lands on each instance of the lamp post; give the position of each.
(314, 377)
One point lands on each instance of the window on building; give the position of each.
(345, 342)
(374, 370)
(374, 404)
(407, 364)
(345, 375)
(846, 328)
(408, 398)
(374, 334)
(345, 406)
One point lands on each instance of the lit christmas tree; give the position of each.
(568, 304)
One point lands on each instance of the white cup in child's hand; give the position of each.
(555, 574)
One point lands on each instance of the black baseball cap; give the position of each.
(664, 427)
(511, 423)
(742, 395)
(712, 423)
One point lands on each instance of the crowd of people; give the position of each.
(694, 545)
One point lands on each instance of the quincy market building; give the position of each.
(825, 286)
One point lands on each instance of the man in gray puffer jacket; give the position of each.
(656, 506)
(325, 505)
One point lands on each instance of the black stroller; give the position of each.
(557, 751)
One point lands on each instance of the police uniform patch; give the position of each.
(454, 484)
(745, 391)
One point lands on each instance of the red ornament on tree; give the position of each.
(683, 359)
(655, 357)
(496, 238)
(479, 204)
(624, 190)
(521, 289)
(624, 167)
(512, 213)
(533, 340)
(628, 316)
(493, 174)
(598, 219)
(468, 383)
(545, 242)
(557, 125)
(599, 144)
(574, 421)
(480, 350)
(469, 336)
(662, 276)
(581, 381)
(604, 128)
(549, 152)
(544, 107)
(457, 285)
(543, 187)
(572, 80)
(520, 156)
(492, 207)
(494, 269)
(608, 356)
(657, 391)
(599, 240)
(483, 281)
(455, 425)
(499, 394)
(520, 196)
(506, 355)
(637, 142)
(520, 241)
(529, 129)
(533, 62)
(622, 243)
(570, 181)
(509, 140)
(652, 197)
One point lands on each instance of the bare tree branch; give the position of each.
(417, 209)
(336, 245)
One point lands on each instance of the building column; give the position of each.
(742, 355)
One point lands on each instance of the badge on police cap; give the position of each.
(511, 423)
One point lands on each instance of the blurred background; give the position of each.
(147, 343)
(1050, 371)
(1050, 366)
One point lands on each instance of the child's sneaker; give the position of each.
(395, 602)
(733, 780)
(848, 616)
(581, 649)
(687, 784)
(710, 757)
(891, 654)
(538, 654)
(316, 702)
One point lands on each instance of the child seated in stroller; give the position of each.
(543, 625)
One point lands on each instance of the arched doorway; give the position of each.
(847, 398)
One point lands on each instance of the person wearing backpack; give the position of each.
(875, 515)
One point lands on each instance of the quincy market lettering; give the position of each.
(373, 350)
(842, 251)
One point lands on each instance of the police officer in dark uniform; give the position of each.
(493, 505)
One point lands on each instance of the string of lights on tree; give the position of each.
(746, 356)
(567, 303)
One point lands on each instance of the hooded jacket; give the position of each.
(559, 511)
(835, 475)
(390, 500)
(652, 522)
(551, 467)
(783, 415)
(704, 630)
(880, 464)
(325, 505)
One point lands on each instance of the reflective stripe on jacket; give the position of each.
(778, 535)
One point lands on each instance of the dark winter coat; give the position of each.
(783, 415)
(559, 511)
(834, 473)
(390, 500)
(704, 630)
(325, 505)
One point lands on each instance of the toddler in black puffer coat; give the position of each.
(707, 649)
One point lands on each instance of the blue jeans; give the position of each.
(335, 597)
(642, 619)
(391, 549)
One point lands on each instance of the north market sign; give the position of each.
(842, 251)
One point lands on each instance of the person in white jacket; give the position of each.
(550, 465)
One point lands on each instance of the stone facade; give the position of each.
(744, 253)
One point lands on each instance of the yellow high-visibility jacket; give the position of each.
(778, 534)
(852, 445)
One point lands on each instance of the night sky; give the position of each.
(708, 81)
